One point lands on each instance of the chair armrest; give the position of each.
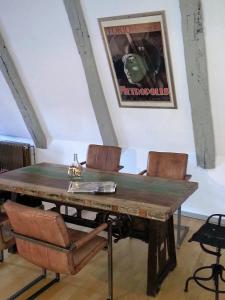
(142, 172)
(83, 163)
(187, 177)
(89, 236)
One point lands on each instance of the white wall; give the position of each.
(138, 128)
(40, 40)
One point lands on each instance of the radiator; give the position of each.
(14, 155)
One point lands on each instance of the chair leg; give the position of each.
(1, 256)
(79, 213)
(26, 287)
(32, 283)
(217, 271)
(196, 278)
(178, 226)
(216, 282)
(66, 210)
(180, 237)
(187, 283)
(217, 274)
(110, 263)
(45, 287)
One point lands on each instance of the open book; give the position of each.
(92, 187)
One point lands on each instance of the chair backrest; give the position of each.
(106, 158)
(167, 165)
(40, 225)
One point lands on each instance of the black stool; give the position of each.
(211, 233)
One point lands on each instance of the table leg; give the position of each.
(161, 253)
(152, 285)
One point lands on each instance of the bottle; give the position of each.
(75, 169)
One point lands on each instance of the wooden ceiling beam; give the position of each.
(21, 97)
(197, 74)
(82, 39)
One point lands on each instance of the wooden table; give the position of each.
(152, 199)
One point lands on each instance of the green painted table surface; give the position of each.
(144, 196)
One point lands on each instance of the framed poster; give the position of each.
(138, 54)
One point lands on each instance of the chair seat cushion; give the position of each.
(82, 255)
(210, 234)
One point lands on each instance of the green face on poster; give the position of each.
(135, 67)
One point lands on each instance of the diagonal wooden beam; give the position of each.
(21, 97)
(82, 39)
(196, 65)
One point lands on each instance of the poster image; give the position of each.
(138, 54)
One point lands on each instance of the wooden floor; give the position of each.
(130, 257)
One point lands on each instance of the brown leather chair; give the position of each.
(6, 237)
(43, 239)
(101, 157)
(169, 165)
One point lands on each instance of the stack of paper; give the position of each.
(92, 187)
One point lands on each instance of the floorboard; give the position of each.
(130, 256)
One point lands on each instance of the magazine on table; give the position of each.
(92, 187)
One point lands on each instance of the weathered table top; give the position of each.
(144, 196)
